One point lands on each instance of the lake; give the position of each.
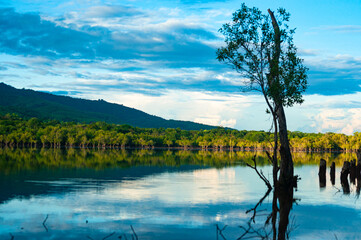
(147, 194)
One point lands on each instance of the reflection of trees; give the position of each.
(279, 214)
(268, 225)
(277, 224)
(28, 158)
(12, 160)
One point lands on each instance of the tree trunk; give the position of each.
(285, 198)
(275, 149)
(286, 165)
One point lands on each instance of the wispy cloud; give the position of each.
(337, 75)
(341, 28)
(201, 1)
(173, 42)
(307, 52)
(113, 11)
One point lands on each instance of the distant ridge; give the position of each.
(29, 103)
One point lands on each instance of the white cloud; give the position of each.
(331, 119)
(218, 109)
(229, 123)
(319, 113)
(339, 120)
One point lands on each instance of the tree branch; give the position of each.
(220, 231)
(260, 174)
(46, 218)
(136, 237)
(254, 209)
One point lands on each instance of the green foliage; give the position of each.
(252, 50)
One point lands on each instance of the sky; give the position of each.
(160, 57)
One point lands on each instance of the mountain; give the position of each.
(29, 103)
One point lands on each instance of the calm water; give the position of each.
(90, 194)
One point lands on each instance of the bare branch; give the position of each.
(260, 174)
(136, 237)
(220, 231)
(254, 209)
(108, 236)
(46, 218)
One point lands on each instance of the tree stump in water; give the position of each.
(322, 173)
(333, 173)
(344, 180)
(353, 171)
(345, 170)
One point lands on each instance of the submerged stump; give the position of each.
(322, 173)
(345, 171)
(353, 171)
(333, 173)
(344, 177)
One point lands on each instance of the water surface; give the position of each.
(94, 194)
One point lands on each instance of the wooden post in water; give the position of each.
(322, 173)
(333, 173)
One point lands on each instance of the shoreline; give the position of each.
(210, 149)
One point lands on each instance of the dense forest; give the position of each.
(18, 132)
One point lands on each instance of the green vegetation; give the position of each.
(18, 132)
(45, 106)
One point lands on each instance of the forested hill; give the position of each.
(29, 103)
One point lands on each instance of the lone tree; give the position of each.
(260, 47)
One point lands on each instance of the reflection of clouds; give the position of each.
(197, 187)
(188, 199)
(183, 200)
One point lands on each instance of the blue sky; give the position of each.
(160, 57)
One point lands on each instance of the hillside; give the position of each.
(29, 103)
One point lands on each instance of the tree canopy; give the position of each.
(266, 59)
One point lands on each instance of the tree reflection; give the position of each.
(282, 202)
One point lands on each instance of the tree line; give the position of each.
(18, 132)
